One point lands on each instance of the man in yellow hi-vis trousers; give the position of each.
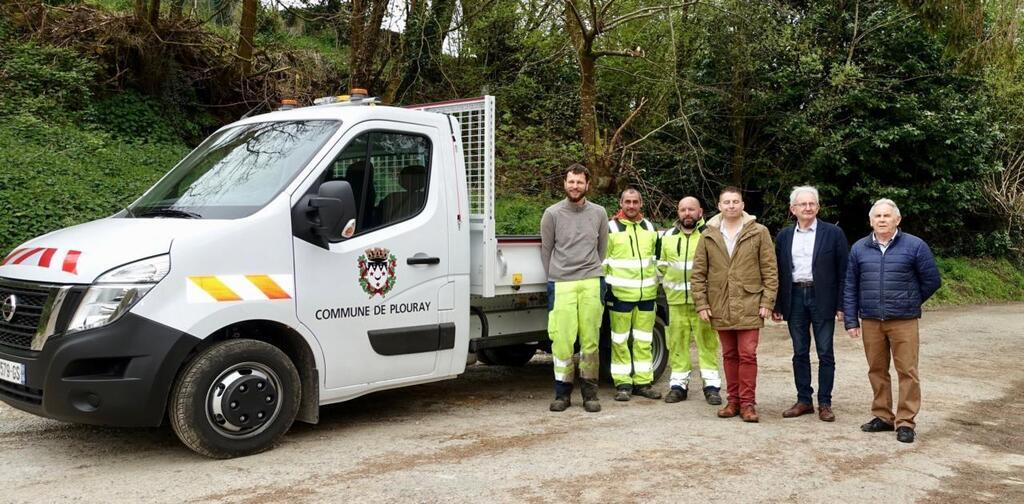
(631, 272)
(678, 245)
(574, 237)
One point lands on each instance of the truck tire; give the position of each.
(235, 398)
(659, 350)
(512, 355)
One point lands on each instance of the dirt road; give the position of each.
(489, 437)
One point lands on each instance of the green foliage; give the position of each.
(520, 215)
(972, 280)
(59, 176)
(64, 157)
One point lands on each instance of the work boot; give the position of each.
(647, 391)
(748, 413)
(675, 394)
(590, 401)
(560, 403)
(622, 393)
(730, 410)
(712, 396)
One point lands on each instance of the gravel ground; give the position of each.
(489, 437)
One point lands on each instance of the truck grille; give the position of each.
(31, 301)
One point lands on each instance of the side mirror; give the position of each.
(335, 207)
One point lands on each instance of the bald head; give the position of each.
(690, 212)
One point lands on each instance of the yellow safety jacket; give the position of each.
(631, 267)
(676, 263)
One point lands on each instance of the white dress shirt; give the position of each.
(803, 252)
(885, 245)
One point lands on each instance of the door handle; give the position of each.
(423, 260)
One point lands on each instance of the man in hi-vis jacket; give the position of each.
(631, 272)
(678, 246)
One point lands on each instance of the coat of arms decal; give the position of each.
(377, 271)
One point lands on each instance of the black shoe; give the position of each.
(560, 403)
(622, 393)
(877, 425)
(647, 391)
(712, 396)
(905, 435)
(675, 394)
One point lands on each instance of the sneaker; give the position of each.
(877, 425)
(647, 391)
(712, 396)
(675, 394)
(905, 434)
(561, 403)
(622, 394)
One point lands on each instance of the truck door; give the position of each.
(372, 299)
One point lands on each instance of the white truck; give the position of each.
(294, 259)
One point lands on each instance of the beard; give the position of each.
(577, 199)
(688, 223)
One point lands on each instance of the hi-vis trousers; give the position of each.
(575, 308)
(684, 324)
(632, 368)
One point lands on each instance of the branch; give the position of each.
(618, 132)
(642, 13)
(576, 14)
(630, 53)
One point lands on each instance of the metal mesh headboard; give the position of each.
(476, 118)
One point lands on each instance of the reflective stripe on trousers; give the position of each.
(684, 323)
(632, 366)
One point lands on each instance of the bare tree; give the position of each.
(363, 35)
(246, 29)
(586, 22)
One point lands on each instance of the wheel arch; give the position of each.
(289, 341)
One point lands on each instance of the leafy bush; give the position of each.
(58, 176)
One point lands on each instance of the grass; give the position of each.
(978, 280)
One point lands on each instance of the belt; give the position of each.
(803, 285)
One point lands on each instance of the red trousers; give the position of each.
(739, 358)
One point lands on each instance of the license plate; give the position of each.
(13, 372)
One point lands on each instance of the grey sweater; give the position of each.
(574, 240)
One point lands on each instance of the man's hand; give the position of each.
(765, 312)
(854, 332)
(705, 315)
(776, 316)
(839, 315)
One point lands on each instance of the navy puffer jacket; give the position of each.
(892, 286)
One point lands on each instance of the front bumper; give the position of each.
(117, 375)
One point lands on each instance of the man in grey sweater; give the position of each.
(574, 239)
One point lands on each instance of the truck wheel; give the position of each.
(513, 355)
(659, 350)
(235, 398)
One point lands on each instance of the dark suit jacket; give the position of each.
(828, 265)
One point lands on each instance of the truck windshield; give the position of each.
(236, 171)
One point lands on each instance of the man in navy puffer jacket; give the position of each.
(890, 275)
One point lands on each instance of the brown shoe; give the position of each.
(798, 409)
(825, 414)
(749, 414)
(730, 410)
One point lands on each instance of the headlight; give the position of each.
(116, 291)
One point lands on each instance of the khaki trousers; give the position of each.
(900, 339)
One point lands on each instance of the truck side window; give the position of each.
(389, 173)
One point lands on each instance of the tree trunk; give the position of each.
(154, 13)
(140, 11)
(247, 28)
(423, 43)
(364, 33)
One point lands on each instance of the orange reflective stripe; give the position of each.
(214, 287)
(268, 286)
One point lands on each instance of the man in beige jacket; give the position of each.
(734, 282)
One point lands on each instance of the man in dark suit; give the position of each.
(812, 258)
